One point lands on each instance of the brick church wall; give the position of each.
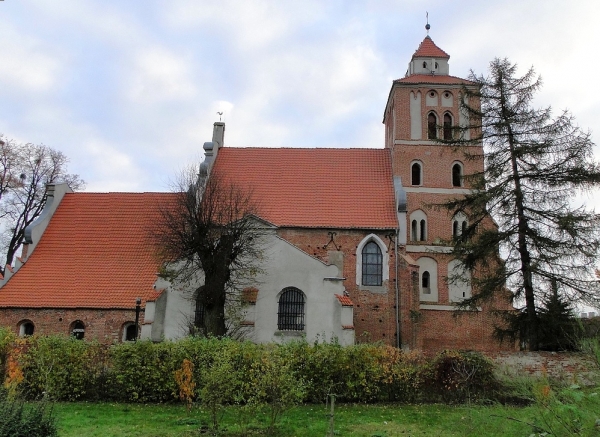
(104, 325)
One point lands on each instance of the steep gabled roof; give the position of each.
(315, 188)
(95, 253)
(428, 49)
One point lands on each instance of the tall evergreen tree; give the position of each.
(535, 165)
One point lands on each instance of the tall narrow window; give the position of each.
(455, 229)
(447, 127)
(425, 282)
(432, 126)
(423, 233)
(413, 230)
(372, 264)
(290, 316)
(457, 175)
(416, 175)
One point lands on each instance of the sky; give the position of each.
(129, 90)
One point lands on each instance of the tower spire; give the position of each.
(427, 26)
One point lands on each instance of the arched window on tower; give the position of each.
(459, 224)
(416, 173)
(425, 282)
(457, 175)
(431, 126)
(447, 126)
(418, 226)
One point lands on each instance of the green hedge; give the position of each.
(62, 368)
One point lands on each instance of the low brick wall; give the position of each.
(570, 367)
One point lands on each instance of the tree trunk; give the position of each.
(532, 326)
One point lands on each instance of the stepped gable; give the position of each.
(95, 253)
(315, 188)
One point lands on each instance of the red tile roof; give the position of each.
(315, 188)
(345, 300)
(95, 253)
(434, 79)
(428, 49)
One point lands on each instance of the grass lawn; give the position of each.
(105, 419)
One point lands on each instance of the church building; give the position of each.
(356, 251)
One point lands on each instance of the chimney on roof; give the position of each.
(211, 149)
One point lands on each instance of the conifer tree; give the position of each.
(534, 167)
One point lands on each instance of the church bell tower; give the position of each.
(423, 108)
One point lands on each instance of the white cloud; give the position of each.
(27, 64)
(159, 75)
(113, 170)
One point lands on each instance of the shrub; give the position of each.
(462, 376)
(21, 421)
(274, 385)
(6, 339)
(143, 371)
(62, 368)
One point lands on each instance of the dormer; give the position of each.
(429, 59)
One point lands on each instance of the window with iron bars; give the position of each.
(290, 316)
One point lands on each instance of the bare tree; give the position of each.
(25, 169)
(210, 233)
(534, 166)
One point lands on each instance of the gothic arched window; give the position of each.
(372, 264)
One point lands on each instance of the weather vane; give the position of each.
(220, 114)
(427, 26)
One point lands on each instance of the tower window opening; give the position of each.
(424, 64)
(416, 174)
(425, 282)
(447, 127)
(457, 175)
(432, 126)
(413, 230)
(423, 231)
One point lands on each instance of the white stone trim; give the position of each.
(384, 253)
(413, 248)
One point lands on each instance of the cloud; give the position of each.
(112, 170)
(159, 75)
(28, 64)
